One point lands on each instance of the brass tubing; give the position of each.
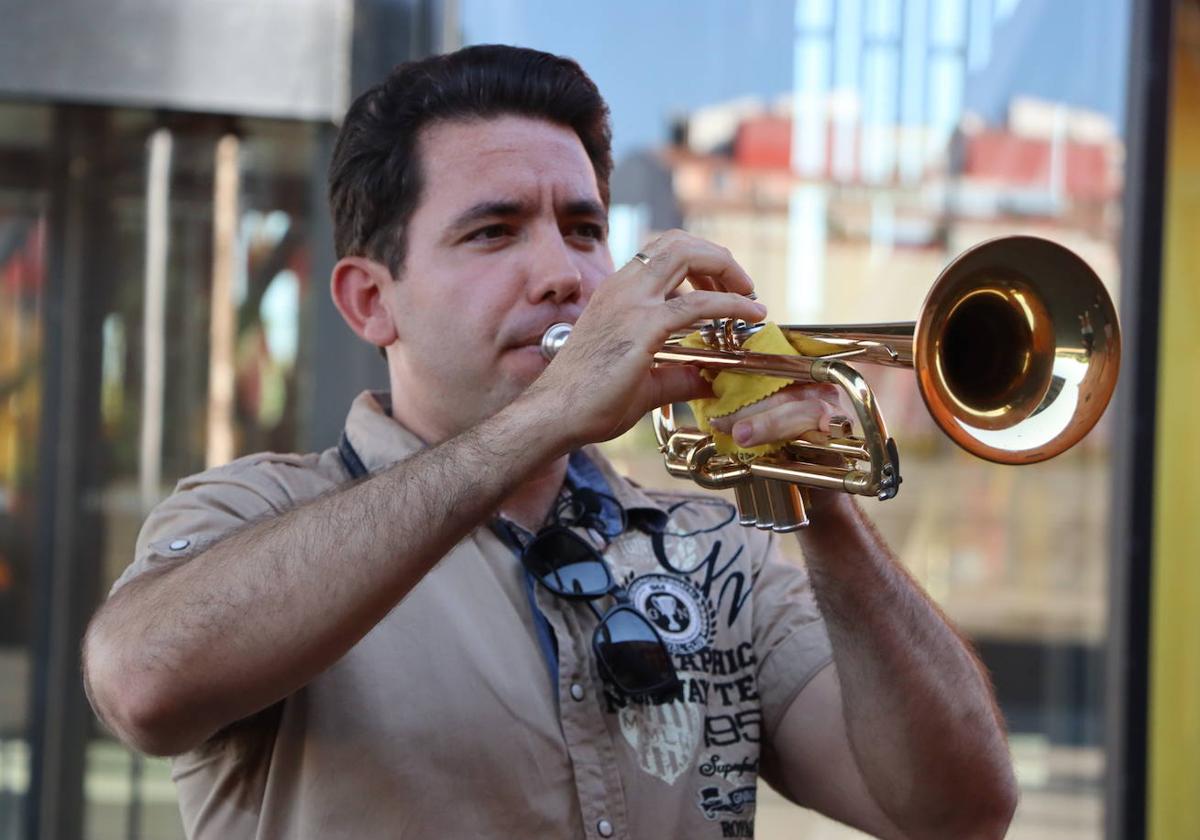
(852, 448)
(663, 420)
(882, 344)
(798, 368)
(787, 509)
(679, 469)
(763, 518)
(875, 437)
(723, 475)
(682, 442)
(744, 495)
(814, 475)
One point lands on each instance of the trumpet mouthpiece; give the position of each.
(554, 338)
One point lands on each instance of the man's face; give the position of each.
(509, 237)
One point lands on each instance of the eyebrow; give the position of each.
(489, 210)
(585, 207)
(511, 209)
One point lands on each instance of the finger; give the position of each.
(702, 283)
(831, 410)
(783, 422)
(676, 255)
(818, 390)
(697, 283)
(812, 391)
(677, 383)
(725, 424)
(684, 310)
(797, 392)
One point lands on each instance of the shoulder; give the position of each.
(277, 477)
(249, 488)
(209, 505)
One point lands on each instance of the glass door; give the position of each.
(24, 131)
(154, 297)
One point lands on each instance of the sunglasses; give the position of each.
(631, 654)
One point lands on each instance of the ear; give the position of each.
(358, 286)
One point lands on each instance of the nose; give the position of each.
(554, 274)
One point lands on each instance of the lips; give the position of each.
(534, 339)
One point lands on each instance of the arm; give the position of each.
(907, 719)
(176, 656)
(901, 736)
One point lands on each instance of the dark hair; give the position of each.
(375, 175)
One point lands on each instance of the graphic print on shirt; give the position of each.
(664, 737)
(679, 580)
(715, 766)
(715, 802)
(674, 605)
(733, 807)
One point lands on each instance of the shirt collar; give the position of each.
(378, 439)
(589, 468)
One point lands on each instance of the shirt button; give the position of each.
(179, 545)
(577, 694)
(605, 828)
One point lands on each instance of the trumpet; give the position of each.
(1016, 352)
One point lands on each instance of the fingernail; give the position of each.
(742, 432)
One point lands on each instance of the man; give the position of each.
(365, 642)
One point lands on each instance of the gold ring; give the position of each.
(642, 258)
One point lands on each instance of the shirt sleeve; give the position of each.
(790, 639)
(209, 506)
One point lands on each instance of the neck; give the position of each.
(530, 502)
(412, 406)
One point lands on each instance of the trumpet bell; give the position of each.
(1017, 349)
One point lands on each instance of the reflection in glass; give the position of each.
(845, 151)
(155, 328)
(23, 136)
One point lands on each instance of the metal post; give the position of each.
(221, 446)
(1133, 453)
(67, 573)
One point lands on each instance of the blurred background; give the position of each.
(165, 248)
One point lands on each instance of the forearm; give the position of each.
(174, 657)
(919, 711)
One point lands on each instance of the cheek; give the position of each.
(595, 273)
(470, 328)
(603, 263)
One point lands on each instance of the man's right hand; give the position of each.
(603, 380)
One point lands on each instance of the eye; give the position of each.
(490, 233)
(588, 230)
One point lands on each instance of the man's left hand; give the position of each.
(785, 415)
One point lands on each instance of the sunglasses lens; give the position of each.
(632, 653)
(567, 566)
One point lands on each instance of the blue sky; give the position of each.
(655, 58)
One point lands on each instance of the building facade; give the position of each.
(165, 247)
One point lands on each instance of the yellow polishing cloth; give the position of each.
(734, 391)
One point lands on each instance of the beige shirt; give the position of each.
(444, 722)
